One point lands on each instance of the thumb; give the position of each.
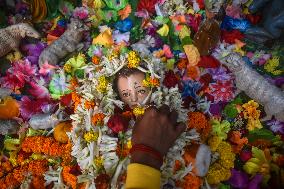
(180, 127)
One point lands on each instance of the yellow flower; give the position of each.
(184, 32)
(133, 59)
(217, 174)
(253, 124)
(113, 55)
(271, 66)
(67, 68)
(99, 161)
(258, 163)
(91, 136)
(98, 4)
(149, 82)
(164, 30)
(138, 111)
(104, 38)
(250, 110)
(102, 86)
(214, 142)
(192, 54)
(129, 144)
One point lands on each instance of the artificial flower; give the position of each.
(237, 141)
(81, 13)
(193, 72)
(250, 110)
(116, 5)
(148, 5)
(29, 107)
(117, 123)
(124, 13)
(241, 180)
(208, 62)
(171, 79)
(190, 181)
(124, 25)
(245, 155)
(259, 163)
(276, 126)
(104, 38)
(20, 72)
(120, 38)
(231, 36)
(233, 11)
(59, 85)
(220, 128)
(253, 124)
(190, 89)
(219, 74)
(192, 54)
(222, 91)
(75, 63)
(164, 30)
(38, 90)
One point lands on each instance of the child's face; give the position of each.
(131, 90)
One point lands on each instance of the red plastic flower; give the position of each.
(148, 5)
(231, 36)
(208, 62)
(117, 123)
(222, 91)
(171, 80)
(254, 19)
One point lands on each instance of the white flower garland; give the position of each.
(104, 148)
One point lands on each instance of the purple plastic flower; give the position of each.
(241, 180)
(33, 51)
(81, 13)
(220, 74)
(276, 126)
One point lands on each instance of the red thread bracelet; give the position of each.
(143, 148)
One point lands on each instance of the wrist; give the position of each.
(145, 159)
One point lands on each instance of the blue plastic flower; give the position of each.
(190, 88)
(124, 25)
(230, 23)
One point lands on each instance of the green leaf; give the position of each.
(231, 111)
(260, 134)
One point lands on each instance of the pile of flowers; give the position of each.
(68, 128)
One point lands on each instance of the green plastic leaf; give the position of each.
(260, 134)
(231, 111)
(224, 186)
(116, 4)
(259, 154)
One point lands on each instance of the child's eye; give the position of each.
(125, 94)
(142, 91)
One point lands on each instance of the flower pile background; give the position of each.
(41, 108)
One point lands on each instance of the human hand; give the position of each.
(157, 129)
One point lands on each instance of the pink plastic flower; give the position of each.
(221, 91)
(81, 13)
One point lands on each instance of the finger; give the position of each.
(152, 111)
(180, 128)
(164, 109)
(173, 117)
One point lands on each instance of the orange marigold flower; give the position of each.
(190, 182)
(193, 72)
(102, 181)
(127, 114)
(89, 104)
(37, 182)
(73, 83)
(69, 178)
(95, 60)
(155, 82)
(197, 120)
(182, 64)
(237, 142)
(98, 119)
